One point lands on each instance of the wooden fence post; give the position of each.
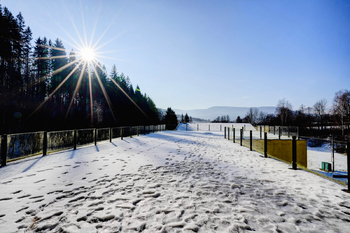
(110, 134)
(228, 133)
(3, 150)
(121, 133)
(225, 132)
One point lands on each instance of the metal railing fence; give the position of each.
(288, 131)
(23, 145)
(330, 156)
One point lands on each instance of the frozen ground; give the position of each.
(174, 181)
(316, 155)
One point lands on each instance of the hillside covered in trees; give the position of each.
(44, 88)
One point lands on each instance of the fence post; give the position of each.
(265, 145)
(333, 154)
(260, 132)
(225, 132)
(298, 132)
(251, 139)
(279, 132)
(197, 127)
(110, 134)
(186, 127)
(289, 131)
(121, 133)
(95, 136)
(228, 133)
(138, 127)
(75, 139)
(220, 127)
(234, 136)
(209, 127)
(348, 159)
(45, 143)
(241, 138)
(294, 153)
(130, 131)
(3, 150)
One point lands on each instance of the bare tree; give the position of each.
(320, 111)
(341, 107)
(262, 117)
(252, 116)
(284, 111)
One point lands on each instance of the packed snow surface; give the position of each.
(173, 181)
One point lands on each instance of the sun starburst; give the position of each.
(86, 58)
(87, 54)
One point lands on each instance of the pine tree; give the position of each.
(41, 66)
(59, 60)
(170, 119)
(187, 119)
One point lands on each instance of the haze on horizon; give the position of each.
(199, 54)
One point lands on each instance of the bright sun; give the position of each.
(87, 54)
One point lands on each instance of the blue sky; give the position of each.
(199, 54)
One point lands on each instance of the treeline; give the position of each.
(43, 88)
(222, 119)
(319, 119)
(186, 118)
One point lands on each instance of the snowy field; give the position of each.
(173, 181)
(316, 155)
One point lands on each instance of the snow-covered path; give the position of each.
(174, 181)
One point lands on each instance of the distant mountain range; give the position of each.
(214, 112)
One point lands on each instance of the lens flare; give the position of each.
(87, 63)
(87, 54)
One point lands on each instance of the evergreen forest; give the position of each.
(44, 88)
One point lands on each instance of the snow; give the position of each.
(317, 155)
(173, 181)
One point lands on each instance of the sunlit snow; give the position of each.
(172, 181)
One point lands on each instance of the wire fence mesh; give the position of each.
(20, 145)
(60, 140)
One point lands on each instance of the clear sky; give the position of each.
(198, 54)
